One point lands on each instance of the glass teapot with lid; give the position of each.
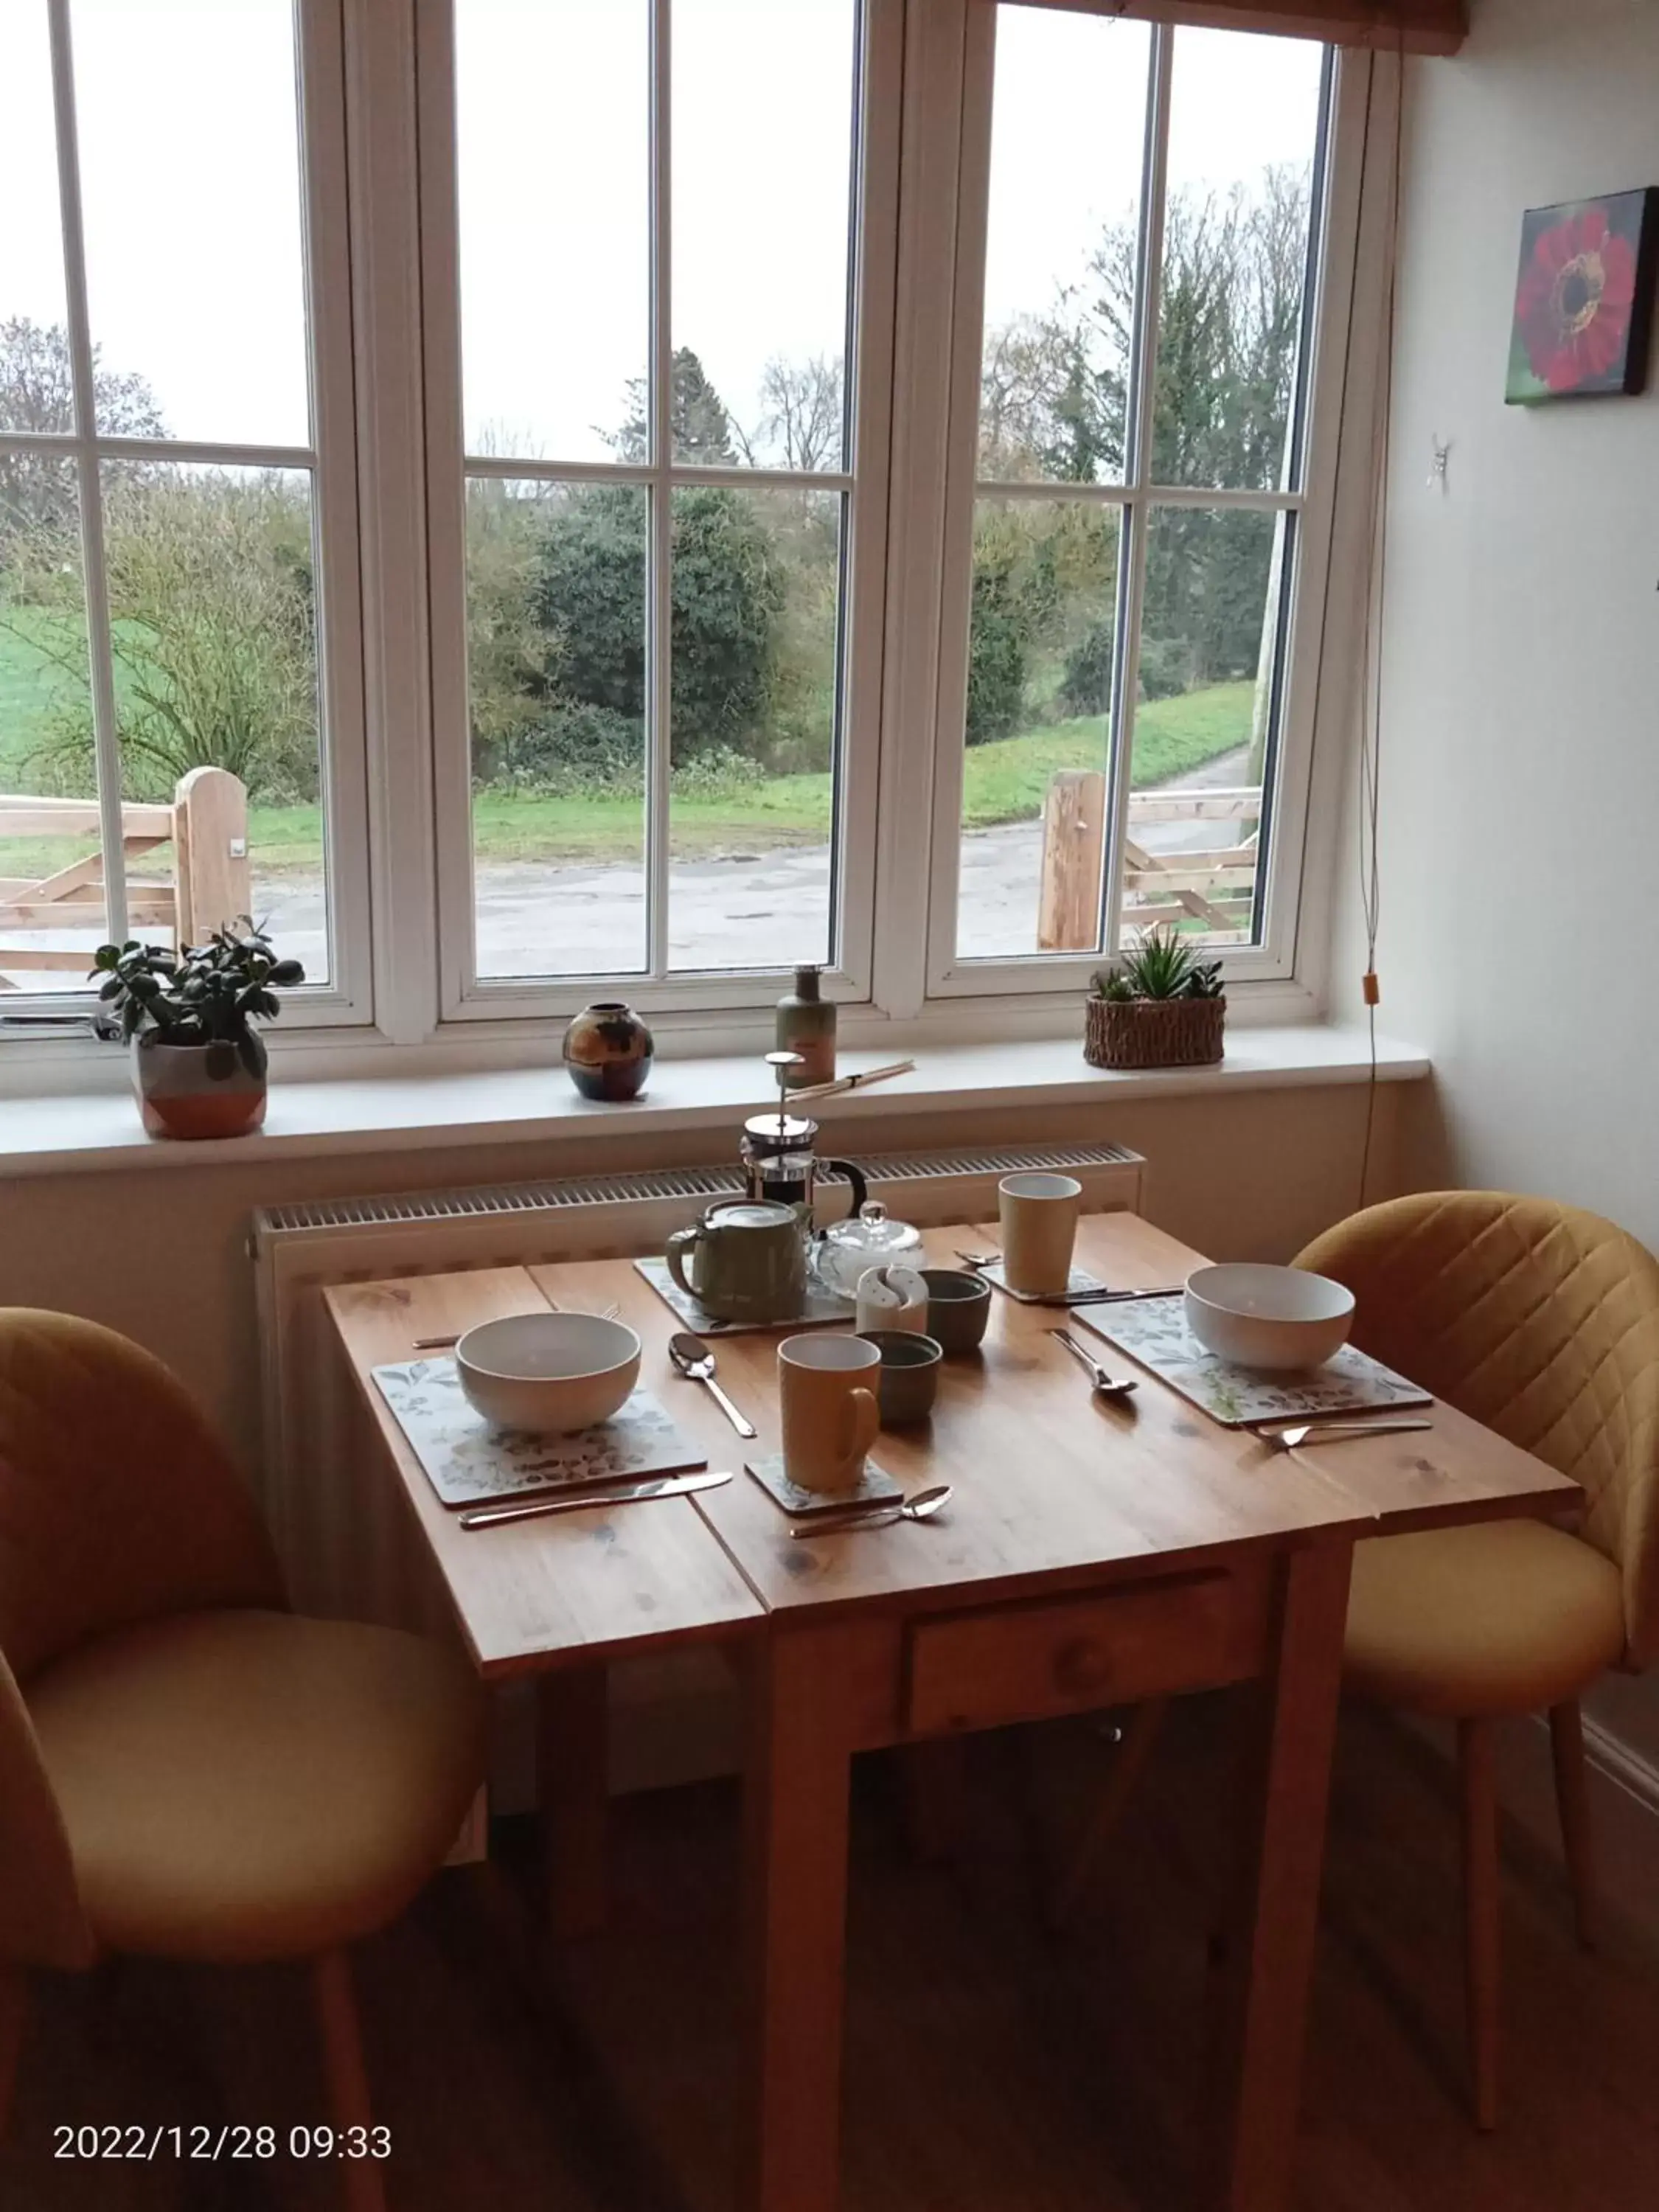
(868, 1238)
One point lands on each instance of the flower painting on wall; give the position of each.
(1583, 300)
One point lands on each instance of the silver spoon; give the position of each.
(921, 1507)
(693, 1358)
(1333, 1432)
(1109, 1386)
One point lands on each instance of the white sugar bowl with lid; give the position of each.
(869, 1238)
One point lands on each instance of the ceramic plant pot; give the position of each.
(608, 1049)
(195, 1089)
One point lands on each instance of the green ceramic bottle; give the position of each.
(806, 1025)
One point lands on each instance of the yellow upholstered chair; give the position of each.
(1541, 1321)
(187, 1770)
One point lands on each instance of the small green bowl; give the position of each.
(958, 1307)
(909, 1381)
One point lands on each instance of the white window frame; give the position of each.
(378, 141)
(464, 996)
(953, 68)
(331, 462)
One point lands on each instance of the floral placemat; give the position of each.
(468, 1462)
(875, 1487)
(1154, 1331)
(819, 1307)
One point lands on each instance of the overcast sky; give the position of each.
(193, 214)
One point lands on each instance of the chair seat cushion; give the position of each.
(1494, 1617)
(248, 1785)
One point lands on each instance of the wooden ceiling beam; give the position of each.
(1421, 27)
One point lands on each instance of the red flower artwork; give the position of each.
(1574, 301)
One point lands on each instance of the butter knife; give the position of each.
(635, 1493)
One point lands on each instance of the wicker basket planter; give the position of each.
(1153, 1032)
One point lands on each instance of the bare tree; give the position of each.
(800, 425)
(37, 393)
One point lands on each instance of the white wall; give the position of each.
(1521, 732)
(1521, 722)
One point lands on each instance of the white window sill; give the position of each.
(320, 1118)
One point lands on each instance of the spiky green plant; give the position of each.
(1112, 986)
(1160, 965)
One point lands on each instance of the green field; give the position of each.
(1004, 781)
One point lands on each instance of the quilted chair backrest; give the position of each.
(1541, 1321)
(117, 1503)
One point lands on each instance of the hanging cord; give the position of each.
(1370, 720)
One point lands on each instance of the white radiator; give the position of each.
(344, 1552)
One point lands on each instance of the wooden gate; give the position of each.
(206, 826)
(1215, 886)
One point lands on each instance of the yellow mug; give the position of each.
(827, 1387)
(1038, 1215)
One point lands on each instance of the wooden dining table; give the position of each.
(1095, 1553)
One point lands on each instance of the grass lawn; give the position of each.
(1004, 781)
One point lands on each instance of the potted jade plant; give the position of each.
(1158, 1005)
(198, 1062)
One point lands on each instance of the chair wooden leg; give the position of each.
(1480, 1911)
(1572, 1800)
(346, 2076)
(14, 2011)
(1140, 1735)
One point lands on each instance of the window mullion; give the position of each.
(1138, 469)
(660, 569)
(105, 726)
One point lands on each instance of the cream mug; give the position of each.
(827, 1386)
(1038, 1214)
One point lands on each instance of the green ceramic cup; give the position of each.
(958, 1307)
(909, 1381)
(744, 1261)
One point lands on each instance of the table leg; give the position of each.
(571, 1777)
(797, 1776)
(1266, 1966)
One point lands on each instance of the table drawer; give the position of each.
(1024, 1663)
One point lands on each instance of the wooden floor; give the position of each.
(990, 2069)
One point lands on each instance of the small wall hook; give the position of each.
(1438, 476)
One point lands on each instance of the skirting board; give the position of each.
(1624, 1791)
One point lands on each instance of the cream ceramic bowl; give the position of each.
(550, 1373)
(1268, 1317)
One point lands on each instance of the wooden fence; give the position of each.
(206, 826)
(1215, 886)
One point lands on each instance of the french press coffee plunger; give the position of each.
(779, 1159)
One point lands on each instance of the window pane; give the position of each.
(553, 101)
(1244, 131)
(190, 176)
(34, 378)
(1067, 143)
(556, 671)
(46, 709)
(764, 107)
(1039, 701)
(757, 588)
(213, 601)
(1209, 647)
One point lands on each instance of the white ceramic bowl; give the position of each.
(1268, 1317)
(548, 1372)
